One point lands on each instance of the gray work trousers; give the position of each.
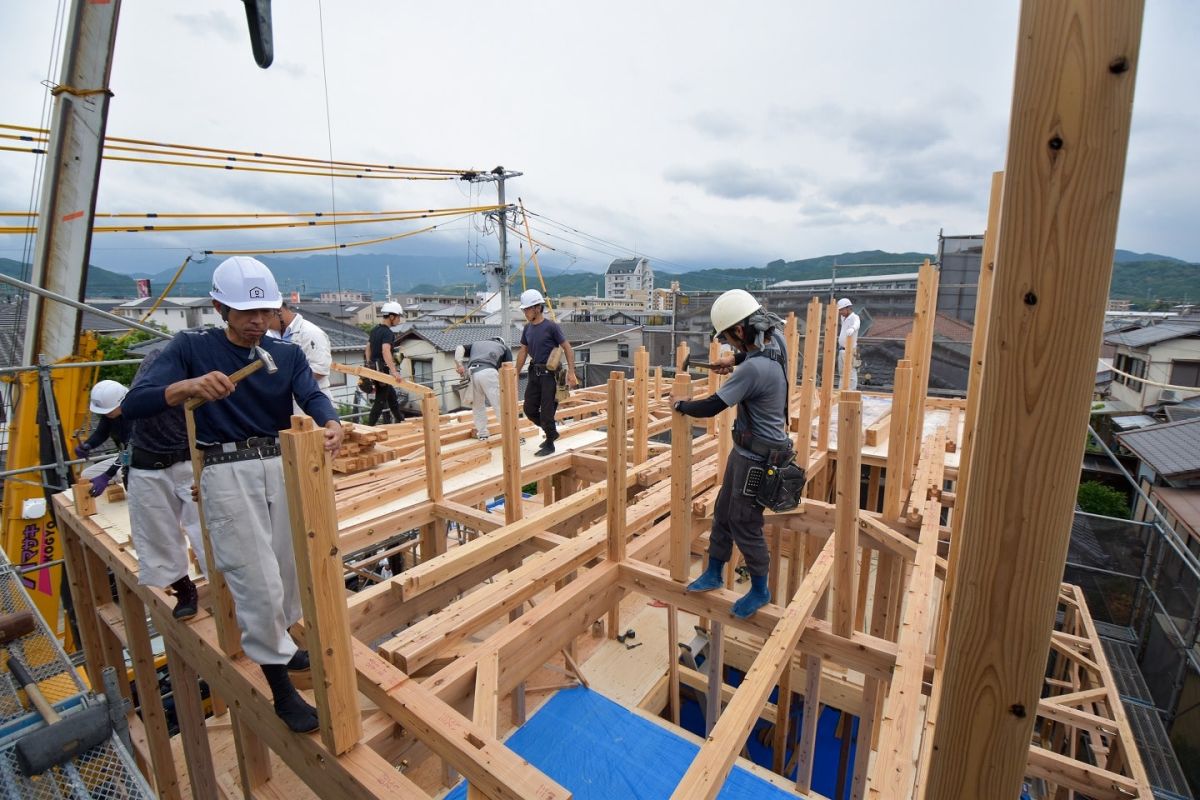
(163, 520)
(246, 510)
(485, 391)
(737, 519)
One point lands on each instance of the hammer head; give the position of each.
(58, 742)
(14, 626)
(265, 357)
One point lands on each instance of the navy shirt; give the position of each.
(540, 339)
(380, 335)
(162, 433)
(260, 406)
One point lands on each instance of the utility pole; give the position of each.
(388, 275)
(499, 175)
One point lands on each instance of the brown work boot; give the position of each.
(187, 599)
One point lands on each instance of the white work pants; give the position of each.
(485, 391)
(246, 510)
(161, 514)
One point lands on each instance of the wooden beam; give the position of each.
(828, 370)
(308, 479)
(616, 500)
(1072, 105)
(712, 764)
(510, 438)
(641, 405)
(189, 714)
(894, 486)
(806, 747)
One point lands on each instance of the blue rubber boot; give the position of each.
(710, 579)
(758, 596)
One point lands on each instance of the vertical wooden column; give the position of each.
(716, 675)
(681, 357)
(848, 361)
(894, 487)
(85, 610)
(658, 384)
(673, 699)
(808, 382)
(641, 405)
(433, 447)
(681, 486)
(486, 705)
(725, 422)
(808, 724)
(1073, 98)
(828, 373)
(616, 497)
(845, 593)
(189, 713)
(791, 340)
(308, 478)
(983, 305)
(922, 353)
(510, 441)
(714, 382)
(145, 676)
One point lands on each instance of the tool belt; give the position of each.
(252, 448)
(146, 459)
(776, 484)
(538, 370)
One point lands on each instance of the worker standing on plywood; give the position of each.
(161, 509)
(482, 360)
(539, 339)
(847, 337)
(241, 486)
(105, 402)
(758, 387)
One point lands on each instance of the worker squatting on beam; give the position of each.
(241, 486)
(758, 387)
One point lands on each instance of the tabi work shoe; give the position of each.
(299, 662)
(546, 449)
(290, 707)
(187, 599)
(709, 579)
(758, 596)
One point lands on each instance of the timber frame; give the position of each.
(870, 574)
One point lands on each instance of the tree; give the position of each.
(116, 348)
(1096, 498)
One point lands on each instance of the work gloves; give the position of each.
(83, 450)
(100, 483)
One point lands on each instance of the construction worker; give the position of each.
(163, 517)
(758, 387)
(538, 339)
(481, 361)
(380, 356)
(290, 326)
(105, 401)
(241, 485)
(847, 335)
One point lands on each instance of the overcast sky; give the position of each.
(698, 133)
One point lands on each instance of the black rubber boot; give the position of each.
(290, 707)
(187, 599)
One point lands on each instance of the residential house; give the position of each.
(351, 313)
(1168, 457)
(175, 314)
(629, 278)
(1149, 360)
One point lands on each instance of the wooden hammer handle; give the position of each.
(25, 679)
(195, 402)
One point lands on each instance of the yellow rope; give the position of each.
(467, 316)
(157, 302)
(536, 266)
(316, 248)
(406, 216)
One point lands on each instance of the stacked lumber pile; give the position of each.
(361, 449)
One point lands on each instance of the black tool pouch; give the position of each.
(781, 483)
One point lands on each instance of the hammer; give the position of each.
(60, 740)
(689, 364)
(259, 358)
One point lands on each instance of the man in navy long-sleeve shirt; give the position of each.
(241, 486)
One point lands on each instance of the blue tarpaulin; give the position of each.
(601, 751)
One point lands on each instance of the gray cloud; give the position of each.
(734, 181)
(717, 125)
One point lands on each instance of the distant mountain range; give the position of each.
(1140, 277)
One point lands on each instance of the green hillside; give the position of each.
(100, 282)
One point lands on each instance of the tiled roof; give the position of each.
(447, 339)
(623, 266)
(1153, 334)
(1172, 448)
(342, 336)
(945, 327)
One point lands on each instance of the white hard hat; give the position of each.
(391, 307)
(106, 396)
(531, 298)
(844, 303)
(245, 283)
(731, 308)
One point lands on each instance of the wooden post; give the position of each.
(308, 478)
(681, 485)
(145, 676)
(845, 593)
(681, 357)
(783, 719)
(808, 724)
(716, 675)
(894, 487)
(828, 376)
(658, 384)
(616, 499)
(487, 705)
(641, 405)
(791, 338)
(673, 663)
(510, 439)
(1072, 104)
(85, 504)
(808, 382)
(848, 361)
(714, 382)
(922, 350)
(189, 713)
(724, 439)
(433, 447)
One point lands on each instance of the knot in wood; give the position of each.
(1031, 299)
(1055, 143)
(1118, 65)
(1017, 710)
